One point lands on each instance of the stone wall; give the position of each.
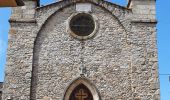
(1, 86)
(44, 59)
(143, 10)
(20, 51)
(57, 56)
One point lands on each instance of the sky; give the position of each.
(163, 41)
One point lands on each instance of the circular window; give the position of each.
(82, 25)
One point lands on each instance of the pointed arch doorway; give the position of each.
(81, 89)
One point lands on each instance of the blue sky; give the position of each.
(163, 35)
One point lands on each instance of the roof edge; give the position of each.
(99, 1)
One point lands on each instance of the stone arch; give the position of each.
(86, 82)
(34, 67)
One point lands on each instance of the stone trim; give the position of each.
(144, 21)
(22, 20)
(82, 37)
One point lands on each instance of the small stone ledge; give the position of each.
(144, 21)
(12, 20)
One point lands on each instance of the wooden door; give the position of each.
(81, 92)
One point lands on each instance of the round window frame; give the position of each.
(82, 37)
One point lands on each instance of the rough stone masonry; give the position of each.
(1, 86)
(119, 60)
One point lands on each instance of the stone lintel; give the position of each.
(144, 21)
(22, 20)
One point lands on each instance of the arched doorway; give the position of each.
(81, 89)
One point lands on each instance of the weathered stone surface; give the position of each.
(44, 59)
(1, 86)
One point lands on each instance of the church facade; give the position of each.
(82, 50)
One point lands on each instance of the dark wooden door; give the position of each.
(81, 92)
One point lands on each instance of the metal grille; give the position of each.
(82, 25)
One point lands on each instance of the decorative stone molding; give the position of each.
(82, 37)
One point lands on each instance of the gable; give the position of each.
(120, 12)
